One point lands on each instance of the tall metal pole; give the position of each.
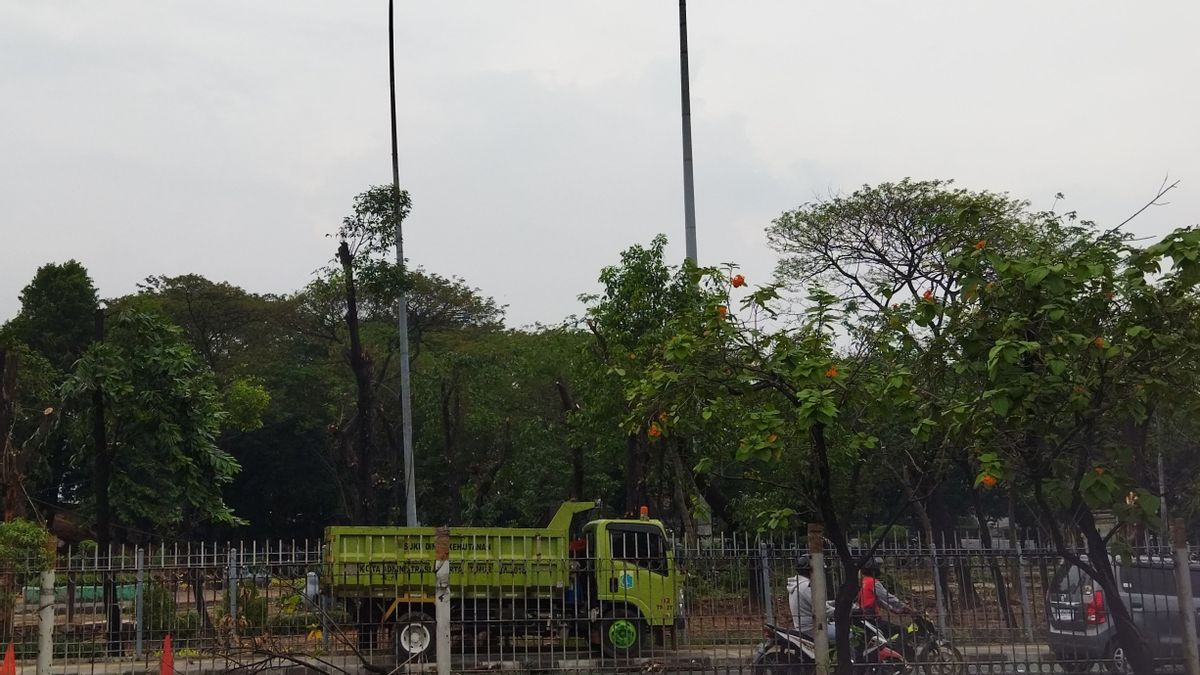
(410, 477)
(689, 196)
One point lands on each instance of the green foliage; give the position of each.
(245, 401)
(158, 607)
(23, 547)
(57, 314)
(163, 416)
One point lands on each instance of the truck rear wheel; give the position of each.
(624, 634)
(415, 636)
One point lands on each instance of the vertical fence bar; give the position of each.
(764, 571)
(139, 616)
(231, 589)
(816, 554)
(1183, 584)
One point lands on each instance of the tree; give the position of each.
(887, 245)
(628, 321)
(56, 313)
(1076, 348)
(808, 411)
(159, 468)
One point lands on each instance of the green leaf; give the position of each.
(1000, 405)
(1034, 276)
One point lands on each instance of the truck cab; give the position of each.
(629, 571)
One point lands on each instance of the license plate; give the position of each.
(1064, 614)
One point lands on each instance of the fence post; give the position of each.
(231, 588)
(939, 594)
(1183, 587)
(816, 555)
(764, 573)
(442, 597)
(139, 603)
(46, 611)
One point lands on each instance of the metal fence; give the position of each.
(252, 607)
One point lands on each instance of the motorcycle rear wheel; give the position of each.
(941, 659)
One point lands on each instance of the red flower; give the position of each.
(738, 281)
(988, 480)
(928, 295)
(832, 372)
(654, 431)
(722, 310)
(980, 244)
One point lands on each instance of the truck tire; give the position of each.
(416, 636)
(624, 634)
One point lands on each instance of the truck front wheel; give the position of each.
(415, 633)
(624, 634)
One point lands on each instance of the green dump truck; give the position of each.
(613, 582)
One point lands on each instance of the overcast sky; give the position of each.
(539, 138)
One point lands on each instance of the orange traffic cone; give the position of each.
(168, 658)
(10, 662)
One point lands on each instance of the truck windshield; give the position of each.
(642, 545)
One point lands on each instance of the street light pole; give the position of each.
(410, 477)
(689, 196)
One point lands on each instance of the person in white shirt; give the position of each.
(800, 599)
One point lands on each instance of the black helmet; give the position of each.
(804, 564)
(873, 566)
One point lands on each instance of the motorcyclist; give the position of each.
(874, 596)
(800, 599)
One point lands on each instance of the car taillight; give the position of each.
(1096, 612)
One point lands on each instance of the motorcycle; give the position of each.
(787, 651)
(922, 646)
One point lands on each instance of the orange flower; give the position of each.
(722, 310)
(654, 431)
(1099, 470)
(1099, 342)
(928, 295)
(980, 244)
(738, 281)
(832, 372)
(988, 480)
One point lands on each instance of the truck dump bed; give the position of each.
(485, 562)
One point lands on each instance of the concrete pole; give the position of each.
(685, 95)
(45, 622)
(816, 554)
(764, 572)
(442, 598)
(410, 477)
(1183, 587)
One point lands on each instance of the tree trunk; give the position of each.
(985, 539)
(635, 474)
(362, 380)
(682, 505)
(847, 591)
(452, 428)
(1128, 634)
(577, 470)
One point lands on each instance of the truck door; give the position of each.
(637, 572)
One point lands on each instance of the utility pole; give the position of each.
(410, 477)
(689, 190)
